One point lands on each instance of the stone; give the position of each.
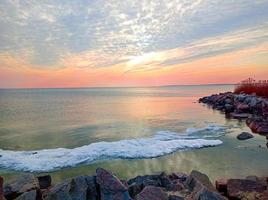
(221, 186)
(1, 188)
(197, 179)
(111, 188)
(178, 176)
(242, 107)
(205, 194)
(175, 197)
(174, 186)
(244, 136)
(241, 188)
(134, 189)
(77, 188)
(24, 183)
(31, 195)
(164, 180)
(228, 107)
(152, 193)
(44, 181)
(240, 115)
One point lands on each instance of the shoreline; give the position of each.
(104, 185)
(250, 108)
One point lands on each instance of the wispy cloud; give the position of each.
(133, 35)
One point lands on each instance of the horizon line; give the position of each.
(95, 87)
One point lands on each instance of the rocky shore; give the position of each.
(251, 108)
(106, 186)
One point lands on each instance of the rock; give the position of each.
(253, 102)
(244, 136)
(152, 193)
(228, 107)
(175, 186)
(240, 115)
(205, 194)
(1, 188)
(178, 176)
(242, 188)
(201, 188)
(111, 188)
(78, 188)
(175, 197)
(31, 195)
(164, 180)
(44, 181)
(221, 186)
(197, 179)
(242, 107)
(134, 189)
(23, 184)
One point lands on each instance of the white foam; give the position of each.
(164, 142)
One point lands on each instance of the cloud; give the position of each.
(99, 34)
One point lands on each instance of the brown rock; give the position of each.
(240, 188)
(152, 193)
(1, 188)
(221, 186)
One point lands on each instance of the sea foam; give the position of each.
(162, 143)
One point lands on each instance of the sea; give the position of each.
(130, 131)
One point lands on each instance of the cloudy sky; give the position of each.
(64, 43)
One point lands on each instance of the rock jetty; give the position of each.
(104, 185)
(251, 108)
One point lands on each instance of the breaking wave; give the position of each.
(162, 143)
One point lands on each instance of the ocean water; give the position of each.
(131, 131)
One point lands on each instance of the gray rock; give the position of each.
(24, 183)
(244, 136)
(111, 188)
(152, 193)
(205, 194)
(31, 195)
(196, 180)
(175, 197)
(78, 188)
(44, 181)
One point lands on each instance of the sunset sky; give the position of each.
(97, 43)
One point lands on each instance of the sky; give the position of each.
(98, 43)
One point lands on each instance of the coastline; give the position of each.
(105, 185)
(250, 108)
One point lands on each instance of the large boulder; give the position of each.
(152, 193)
(244, 136)
(242, 188)
(205, 194)
(24, 183)
(111, 188)
(31, 195)
(78, 188)
(201, 188)
(197, 180)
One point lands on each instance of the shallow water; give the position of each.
(128, 130)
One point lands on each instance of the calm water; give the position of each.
(128, 130)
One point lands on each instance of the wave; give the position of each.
(164, 142)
